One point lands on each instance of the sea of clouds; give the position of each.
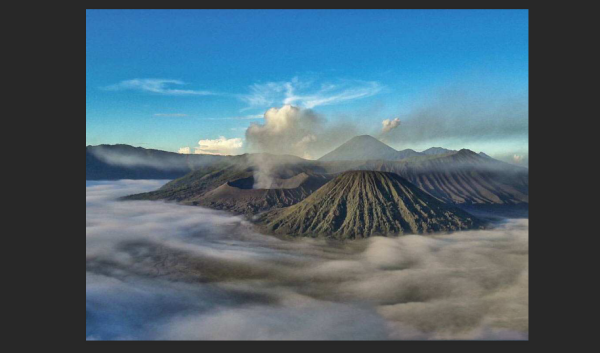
(163, 271)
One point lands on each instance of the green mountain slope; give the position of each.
(360, 204)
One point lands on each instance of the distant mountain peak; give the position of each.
(364, 147)
(365, 138)
(466, 150)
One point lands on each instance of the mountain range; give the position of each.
(114, 162)
(435, 190)
(365, 147)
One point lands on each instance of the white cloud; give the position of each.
(159, 86)
(220, 146)
(299, 132)
(287, 130)
(306, 94)
(322, 98)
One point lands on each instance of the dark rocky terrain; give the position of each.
(231, 185)
(239, 196)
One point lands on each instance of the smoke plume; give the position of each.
(458, 119)
(298, 132)
(389, 125)
(287, 130)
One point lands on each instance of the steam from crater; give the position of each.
(389, 125)
(291, 131)
(263, 170)
(287, 130)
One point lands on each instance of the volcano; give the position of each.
(361, 204)
(364, 148)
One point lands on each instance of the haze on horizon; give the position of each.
(304, 82)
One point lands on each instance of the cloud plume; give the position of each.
(163, 271)
(296, 131)
(284, 131)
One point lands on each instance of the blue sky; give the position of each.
(167, 79)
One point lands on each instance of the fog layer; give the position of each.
(164, 271)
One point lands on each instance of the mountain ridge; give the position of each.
(436, 151)
(462, 178)
(366, 147)
(113, 162)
